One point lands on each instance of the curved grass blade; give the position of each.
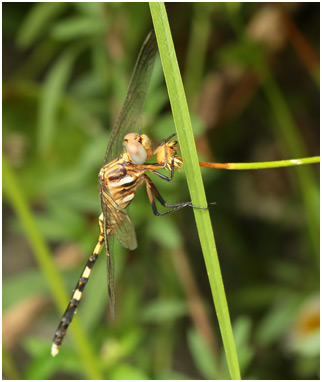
(42, 255)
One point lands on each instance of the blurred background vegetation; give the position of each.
(251, 73)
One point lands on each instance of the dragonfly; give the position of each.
(119, 179)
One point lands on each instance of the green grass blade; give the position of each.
(12, 191)
(51, 97)
(36, 22)
(183, 125)
(197, 49)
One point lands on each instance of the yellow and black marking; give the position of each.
(77, 294)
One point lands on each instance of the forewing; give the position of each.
(132, 106)
(117, 220)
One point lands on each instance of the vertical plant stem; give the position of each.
(183, 125)
(12, 191)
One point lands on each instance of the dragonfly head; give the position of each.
(138, 147)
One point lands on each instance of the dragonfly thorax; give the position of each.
(120, 178)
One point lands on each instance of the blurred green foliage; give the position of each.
(66, 68)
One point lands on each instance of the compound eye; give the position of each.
(136, 151)
(131, 137)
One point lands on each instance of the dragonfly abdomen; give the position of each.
(75, 299)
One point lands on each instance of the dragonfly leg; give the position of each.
(164, 161)
(164, 177)
(77, 294)
(165, 165)
(154, 193)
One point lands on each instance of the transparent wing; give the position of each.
(132, 106)
(116, 222)
(110, 274)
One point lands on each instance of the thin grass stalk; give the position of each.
(185, 135)
(262, 165)
(12, 191)
(287, 130)
(293, 141)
